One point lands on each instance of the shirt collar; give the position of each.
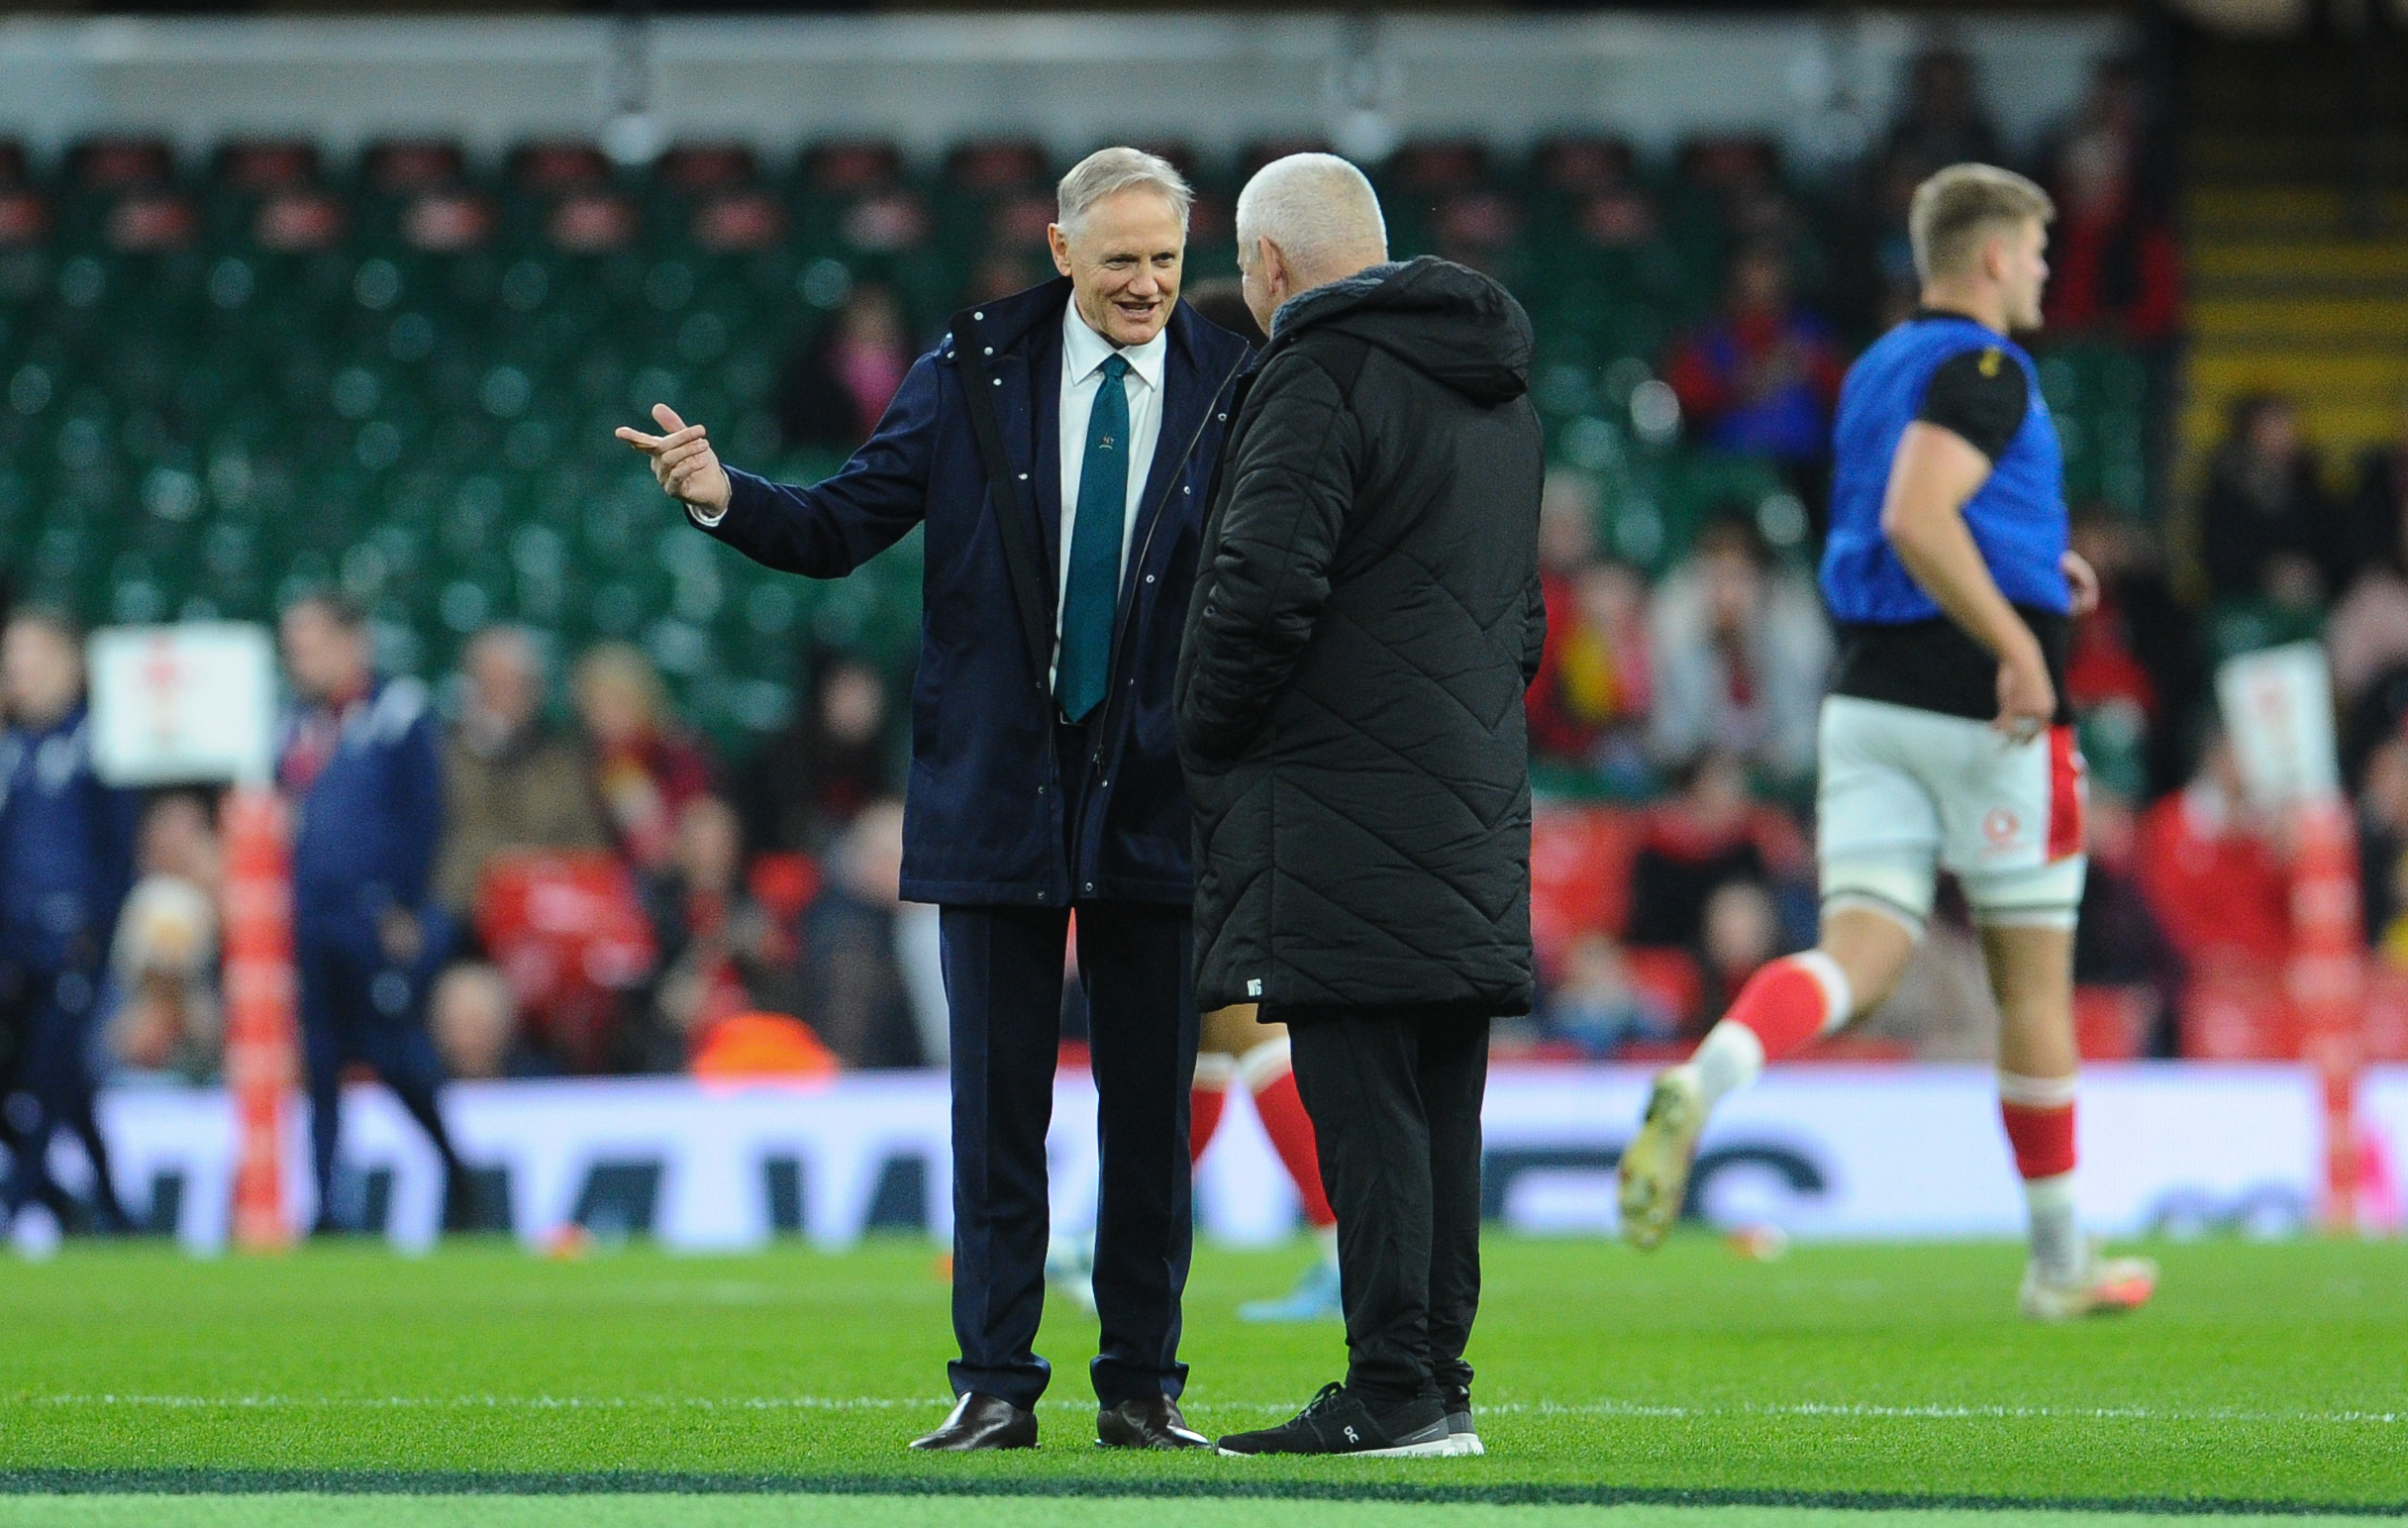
(1083, 349)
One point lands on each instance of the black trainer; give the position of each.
(1456, 1400)
(1338, 1422)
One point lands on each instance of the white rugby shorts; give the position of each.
(1905, 794)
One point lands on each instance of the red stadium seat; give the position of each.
(1671, 977)
(1580, 876)
(784, 884)
(2111, 1023)
(570, 937)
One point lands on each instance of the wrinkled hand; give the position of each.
(682, 460)
(2027, 700)
(2083, 581)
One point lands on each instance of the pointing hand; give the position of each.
(683, 461)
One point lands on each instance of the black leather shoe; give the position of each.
(1148, 1422)
(981, 1422)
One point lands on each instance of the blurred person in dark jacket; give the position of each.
(1366, 620)
(836, 757)
(359, 760)
(856, 997)
(838, 387)
(66, 863)
(2267, 531)
(508, 782)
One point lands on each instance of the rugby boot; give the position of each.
(1654, 1166)
(2109, 1286)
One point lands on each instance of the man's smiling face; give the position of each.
(1124, 259)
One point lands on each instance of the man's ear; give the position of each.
(1059, 242)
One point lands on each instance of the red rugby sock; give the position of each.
(1271, 1078)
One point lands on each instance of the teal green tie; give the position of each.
(1094, 588)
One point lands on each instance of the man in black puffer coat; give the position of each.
(1364, 623)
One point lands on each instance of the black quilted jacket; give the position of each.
(1365, 619)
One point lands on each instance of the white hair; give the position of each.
(1109, 171)
(1316, 207)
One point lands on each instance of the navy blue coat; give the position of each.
(66, 849)
(972, 448)
(364, 841)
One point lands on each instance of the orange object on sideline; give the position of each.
(762, 1047)
(262, 1056)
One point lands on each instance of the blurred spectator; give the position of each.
(2118, 941)
(2212, 869)
(1596, 1006)
(2382, 836)
(2114, 265)
(1941, 121)
(66, 863)
(1740, 931)
(1763, 376)
(837, 387)
(2267, 532)
(1712, 833)
(2378, 513)
(359, 760)
(508, 783)
(165, 958)
(2134, 672)
(644, 770)
(1590, 700)
(475, 1020)
(722, 953)
(834, 758)
(860, 998)
(1741, 652)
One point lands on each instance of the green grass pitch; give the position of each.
(780, 1387)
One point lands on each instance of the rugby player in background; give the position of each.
(1945, 742)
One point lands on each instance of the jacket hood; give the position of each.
(1444, 320)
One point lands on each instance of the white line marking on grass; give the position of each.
(1939, 1412)
(1544, 1408)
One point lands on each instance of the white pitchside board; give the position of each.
(1824, 1151)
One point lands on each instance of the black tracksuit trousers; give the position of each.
(1395, 1095)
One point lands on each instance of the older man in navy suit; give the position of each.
(1058, 444)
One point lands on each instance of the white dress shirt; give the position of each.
(1084, 354)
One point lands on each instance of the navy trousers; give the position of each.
(45, 1081)
(1003, 971)
(358, 1009)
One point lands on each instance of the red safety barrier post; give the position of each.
(2327, 978)
(261, 1055)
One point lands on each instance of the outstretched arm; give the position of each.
(825, 530)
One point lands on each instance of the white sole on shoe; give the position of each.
(1452, 1446)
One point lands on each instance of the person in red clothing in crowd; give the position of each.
(644, 770)
(1590, 704)
(2115, 266)
(2212, 870)
(1712, 833)
(1763, 376)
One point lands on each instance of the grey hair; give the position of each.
(1316, 207)
(1108, 170)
